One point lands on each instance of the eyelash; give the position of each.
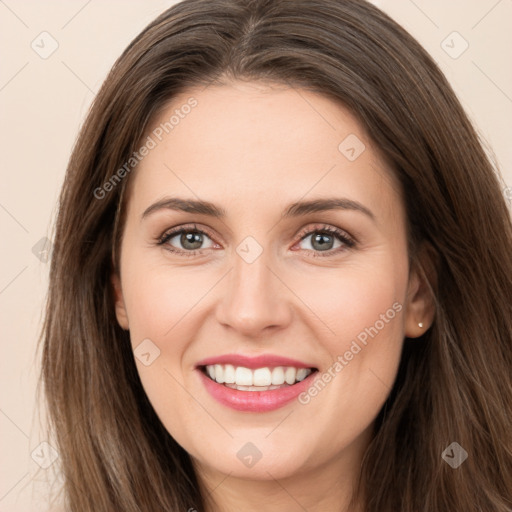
(342, 236)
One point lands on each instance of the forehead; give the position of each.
(241, 142)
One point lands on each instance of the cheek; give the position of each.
(351, 298)
(159, 298)
(363, 309)
(161, 302)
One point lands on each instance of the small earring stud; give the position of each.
(420, 324)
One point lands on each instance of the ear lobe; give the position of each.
(121, 314)
(420, 302)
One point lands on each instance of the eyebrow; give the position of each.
(297, 209)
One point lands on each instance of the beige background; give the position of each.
(44, 100)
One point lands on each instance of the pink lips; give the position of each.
(254, 401)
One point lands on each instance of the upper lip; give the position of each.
(260, 361)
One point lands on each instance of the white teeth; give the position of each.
(278, 376)
(252, 388)
(219, 373)
(229, 374)
(260, 379)
(289, 375)
(302, 373)
(243, 377)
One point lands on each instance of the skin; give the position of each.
(253, 149)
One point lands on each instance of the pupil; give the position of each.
(322, 240)
(191, 238)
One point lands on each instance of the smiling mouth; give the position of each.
(258, 379)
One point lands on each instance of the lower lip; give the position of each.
(255, 401)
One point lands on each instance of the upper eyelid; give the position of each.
(172, 232)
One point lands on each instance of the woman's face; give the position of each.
(303, 264)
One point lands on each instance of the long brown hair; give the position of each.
(453, 385)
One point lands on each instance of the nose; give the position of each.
(255, 301)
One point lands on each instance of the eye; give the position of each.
(190, 238)
(323, 240)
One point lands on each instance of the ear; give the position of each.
(420, 302)
(121, 315)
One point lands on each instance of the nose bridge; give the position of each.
(254, 297)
